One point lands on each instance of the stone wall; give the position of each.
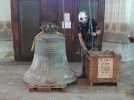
(119, 43)
(5, 20)
(125, 50)
(5, 12)
(5, 30)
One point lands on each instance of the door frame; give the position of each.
(15, 29)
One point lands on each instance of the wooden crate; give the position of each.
(102, 67)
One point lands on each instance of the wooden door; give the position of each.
(97, 11)
(49, 11)
(26, 21)
(72, 46)
(73, 7)
(25, 24)
(52, 11)
(72, 43)
(29, 16)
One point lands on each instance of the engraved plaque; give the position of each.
(105, 68)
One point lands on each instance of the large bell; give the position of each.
(49, 62)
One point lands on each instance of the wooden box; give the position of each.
(102, 67)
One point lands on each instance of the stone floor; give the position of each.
(12, 86)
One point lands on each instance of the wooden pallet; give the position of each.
(46, 88)
(103, 84)
(85, 82)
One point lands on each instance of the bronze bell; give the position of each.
(49, 62)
